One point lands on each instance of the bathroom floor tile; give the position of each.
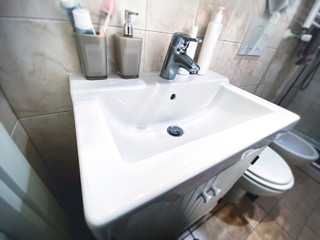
(267, 202)
(292, 215)
(269, 229)
(288, 220)
(236, 226)
(207, 217)
(254, 236)
(296, 172)
(307, 234)
(313, 222)
(251, 211)
(302, 198)
(211, 230)
(309, 184)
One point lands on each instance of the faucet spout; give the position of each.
(176, 57)
(184, 61)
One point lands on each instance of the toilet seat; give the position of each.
(271, 171)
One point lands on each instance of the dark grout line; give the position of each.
(34, 18)
(45, 114)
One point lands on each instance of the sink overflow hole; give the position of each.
(175, 131)
(172, 97)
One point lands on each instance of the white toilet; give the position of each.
(270, 175)
(294, 149)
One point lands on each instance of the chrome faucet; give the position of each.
(176, 56)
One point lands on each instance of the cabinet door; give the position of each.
(230, 176)
(196, 203)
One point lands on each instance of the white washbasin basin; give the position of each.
(127, 156)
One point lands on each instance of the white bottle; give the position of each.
(210, 42)
(191, 50)
(82, 21)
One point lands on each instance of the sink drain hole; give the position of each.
(173, 96)
(175, 131)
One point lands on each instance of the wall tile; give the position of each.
(250, 89)
(171, 16)
(31, 8)
(278, 61)
(244, 70)
(207, 10)
(139, 6)
(27, 148)
(283, 78)
(229, 60)
(236, 16)
(216, 54)
(263, 90)
(261, 67)
(240, 18)
(155, 50)
(54, 136)
(34, 65)
(7, 116)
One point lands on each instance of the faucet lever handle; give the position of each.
(182, 40)
(190, 39)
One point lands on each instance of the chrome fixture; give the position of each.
(176, 56)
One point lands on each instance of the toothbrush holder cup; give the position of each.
(92, 50)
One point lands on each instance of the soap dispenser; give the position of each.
(128, 50)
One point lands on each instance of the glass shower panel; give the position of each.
(307, 104)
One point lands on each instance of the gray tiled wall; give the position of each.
(25, 145)
(37, 52)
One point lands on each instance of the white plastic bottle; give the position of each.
(191, 50)
(209, 43)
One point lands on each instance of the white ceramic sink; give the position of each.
(127, 156)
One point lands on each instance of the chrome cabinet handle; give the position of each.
(206, 197)
(215, 190)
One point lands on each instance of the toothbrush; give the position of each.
(107, 8)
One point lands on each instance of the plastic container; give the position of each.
(209, 43)
(92, 50)
(128, 50)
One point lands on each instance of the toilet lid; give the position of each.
(270, 167)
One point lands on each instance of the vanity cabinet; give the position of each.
(169, 215)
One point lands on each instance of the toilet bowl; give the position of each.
(294, 149)
(269, 176)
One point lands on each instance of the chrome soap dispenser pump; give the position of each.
(127, 26)
(128, 50)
